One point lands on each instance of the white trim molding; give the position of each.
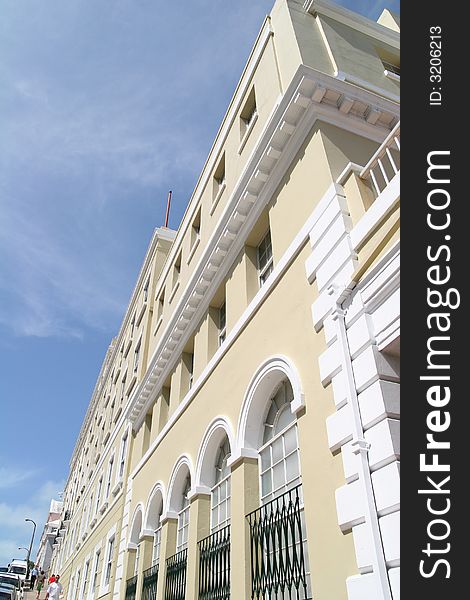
(273, 370)
(219, 428)
(311, 95)
(360, 320)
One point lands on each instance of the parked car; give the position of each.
(7, 592)
(12, 579)
(19, 567)
(3, 569)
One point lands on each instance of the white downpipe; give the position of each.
(361, 446)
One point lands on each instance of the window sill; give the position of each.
(193, 250)
(103, 508)
(93, 523)
(246, 135)
(391, 75)
(174, 290)
(217, 198)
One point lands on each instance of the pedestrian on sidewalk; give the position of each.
(54, 590)
(51, 579)
(40, 583)
(34, 574)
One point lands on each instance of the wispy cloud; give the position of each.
(11, 476)
(15, 530)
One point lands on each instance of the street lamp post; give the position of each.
(30, 545)
(23, 548)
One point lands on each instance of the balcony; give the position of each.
(131, 588)
(373, 193)
(278, 562)
(149, 585)
(175, 584)
(214, 566)
(385, 163)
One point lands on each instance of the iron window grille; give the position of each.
(149, 584)
(214, 565)
(278, 565)
(131, 588)
(175, 584)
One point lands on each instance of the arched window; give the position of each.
(220, 492)
(157, 540)
(280, 519)
(279, 452)
(183, 518)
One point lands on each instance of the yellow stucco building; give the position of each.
(242, 440)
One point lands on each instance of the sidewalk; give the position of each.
(31, 594)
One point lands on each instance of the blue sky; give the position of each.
(105, 105)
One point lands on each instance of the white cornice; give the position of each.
(234, 107)
(354, 20)
(311, 95)
(160, 233)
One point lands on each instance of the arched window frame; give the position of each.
(279, 453)
(221, 490)
(183, 517)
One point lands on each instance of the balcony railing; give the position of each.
(278, 565)
(131, 588)
(214, 566)
(385, 163)
(149, 585)
(175, 584)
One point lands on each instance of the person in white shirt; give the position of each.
(54, 590)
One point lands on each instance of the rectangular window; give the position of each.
(160, 305)
(391, 67)
(109, 561)
(132, 327)
(182, 530)
(111, 412)
(177, 270)
(191, 371)
(264, 254)
(77, 586)
(248, 114)
(90, 510)
(123, 386)
(94, 579)
(222, 324)
(157, 539)
(110, 474)
(98, 494)
(218, 185)
(86, 570)
(220, 504)
(146, 290)
(123, 456)
(137, 356)
(196, 229)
